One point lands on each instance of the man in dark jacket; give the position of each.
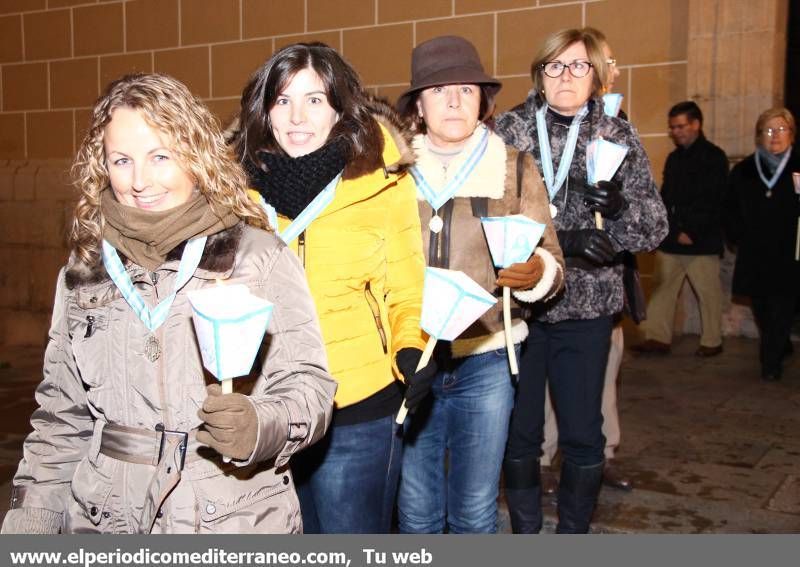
(693, 190)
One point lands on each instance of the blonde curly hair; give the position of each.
(194, 135)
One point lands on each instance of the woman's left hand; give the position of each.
(523, 275)
(605, 198)
(230, 423)
(418, 382)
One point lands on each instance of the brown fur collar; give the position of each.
(218, 256)
(385, 115)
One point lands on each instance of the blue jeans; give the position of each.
(465, 419)
(347, 482)
(571, 357)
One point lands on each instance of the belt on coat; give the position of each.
(162, 448)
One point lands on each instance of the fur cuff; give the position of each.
(487, 343)
(545, 288)
(31, 521)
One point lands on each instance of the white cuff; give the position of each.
(543, 289)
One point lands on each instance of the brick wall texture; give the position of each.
(56, 56)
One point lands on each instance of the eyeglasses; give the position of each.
(611, 61)
(554, 69)
(772, 132)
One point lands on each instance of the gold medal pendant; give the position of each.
(152, 349)
(436, 223)
(553, 211)
(769, 194)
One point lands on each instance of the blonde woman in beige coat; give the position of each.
(129, 437)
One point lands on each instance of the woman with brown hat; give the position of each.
(464, 172)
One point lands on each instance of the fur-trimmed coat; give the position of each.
(505, 182)
(597, 291)
(365, 267)
(97, 377)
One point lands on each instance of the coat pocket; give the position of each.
(90, 344)
(91, 510)
(265, 502)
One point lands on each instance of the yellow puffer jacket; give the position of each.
(365, 267)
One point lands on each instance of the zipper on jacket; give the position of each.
(154, 279)
(301, 248)
(89, 326)
(439, 242)
(376, 314)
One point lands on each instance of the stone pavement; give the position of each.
(710, 448)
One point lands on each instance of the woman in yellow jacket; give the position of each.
(329, 164)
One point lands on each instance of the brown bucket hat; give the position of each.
(446, 60)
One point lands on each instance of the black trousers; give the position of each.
(571, 355)
(774, 315)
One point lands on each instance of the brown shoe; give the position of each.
(706, 351)
(614, 479)
(651, 346)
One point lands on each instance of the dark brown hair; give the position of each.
(356, 128)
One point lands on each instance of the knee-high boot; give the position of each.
(577, 497)
(523, 494)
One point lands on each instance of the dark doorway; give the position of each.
(792, 94)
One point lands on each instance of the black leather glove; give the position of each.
(591, 243)
(605, 198)
(418, 383)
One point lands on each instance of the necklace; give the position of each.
(152, 318)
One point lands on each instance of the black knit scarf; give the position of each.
(290, 184)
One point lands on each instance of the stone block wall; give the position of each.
(56, 56)
(36, 203)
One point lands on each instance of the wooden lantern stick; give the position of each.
(512, 355)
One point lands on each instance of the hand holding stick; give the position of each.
(423, 362)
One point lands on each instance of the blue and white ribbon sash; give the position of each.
(612, 103)
(770, 183)
(305, 218)
(437, 199)
(152, 319)
(554, 183)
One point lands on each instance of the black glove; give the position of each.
(591, 243)
(606, 198)
(418, 383)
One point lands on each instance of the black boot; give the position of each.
(523, 495)
(577, 496)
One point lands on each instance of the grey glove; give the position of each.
(31, 521)
(230, 424)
